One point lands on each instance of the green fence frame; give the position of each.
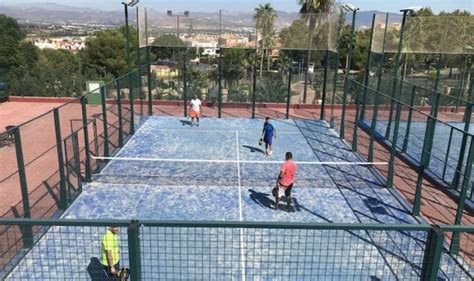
(433, 251)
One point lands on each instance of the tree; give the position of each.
(264, 18)
(309, 11)
(106, 52)
(10, 37)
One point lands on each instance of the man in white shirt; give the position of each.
(195, 109)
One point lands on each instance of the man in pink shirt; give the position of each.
(285, 182)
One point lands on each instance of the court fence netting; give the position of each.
(163, 250)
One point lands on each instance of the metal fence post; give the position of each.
(104, 121)
(457, 172)
(438, 70)
(86, 139)
(424, 163)
(462, 198)
(133, 233)
(373, 127)
(356, 119)
(131, 98)
(254, 89)
(26, 231)
(323, 100)
(120, 120)
(288, 94)
(343, 115)
(62, 184)
(393, 148)
(432, 254)
(149, 86)
(185, 85)
(410, 114)
(219, 86)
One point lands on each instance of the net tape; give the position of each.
(197, 172)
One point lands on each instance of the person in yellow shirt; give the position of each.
(110, 254)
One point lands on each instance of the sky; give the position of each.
(248, 5)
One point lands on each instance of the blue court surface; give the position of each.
(235, 185)
(444, 156)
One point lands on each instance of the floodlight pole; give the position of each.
(393, 147)
(348, 67)
(129, 70)
(397, 72)
(186, 14)
(367, 69)
(336, 69)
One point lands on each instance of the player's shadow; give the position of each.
(262, 199)
(253, 149)
(186, 123)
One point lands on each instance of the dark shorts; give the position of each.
(268, 139)
(107, 270)
(287, 189)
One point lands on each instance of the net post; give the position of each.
(133, 233)
(356, 119)
(254, 86)
(410, 115)
(26, 231)
(86, 139)
(373, 127)
(368, 67)
(185, 85)
(104, 121)
(424, 163)
(454, 247)
(62, 184)
(120, 120)
(288, 94)
(325, 78)
(149, 85)
(393, 148)
(432, 254)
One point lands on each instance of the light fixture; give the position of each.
(130, 3)
(348, 7)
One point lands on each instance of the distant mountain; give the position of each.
(51, 13)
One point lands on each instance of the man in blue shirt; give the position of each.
(268, 133)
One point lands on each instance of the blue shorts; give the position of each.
(268, 139)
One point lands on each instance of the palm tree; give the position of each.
(264, 18)
(309, 10)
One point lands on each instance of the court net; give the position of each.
(206, 172)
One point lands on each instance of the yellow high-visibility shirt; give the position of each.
(109, 243)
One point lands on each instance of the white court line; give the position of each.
(236, 161)
(122, 148)
(242, 251)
